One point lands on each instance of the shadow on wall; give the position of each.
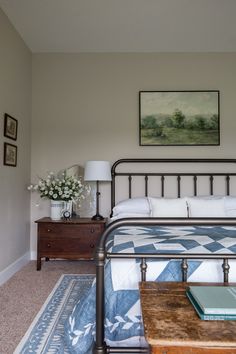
(84, 207)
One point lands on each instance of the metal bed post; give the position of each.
(184, 266)
(100, 345)
(226, 268)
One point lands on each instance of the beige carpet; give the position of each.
(22, 296)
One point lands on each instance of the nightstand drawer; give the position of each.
(59, 247)
(52, 230)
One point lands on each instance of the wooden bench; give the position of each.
(171, 324)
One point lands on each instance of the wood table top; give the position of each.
(73, 220)
(170, 319)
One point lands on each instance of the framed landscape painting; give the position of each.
(179, 118)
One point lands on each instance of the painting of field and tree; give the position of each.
(179, 118)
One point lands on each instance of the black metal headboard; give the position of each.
(226, 174)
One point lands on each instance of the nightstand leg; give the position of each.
(38, 263)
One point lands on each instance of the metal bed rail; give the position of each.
(195, 175)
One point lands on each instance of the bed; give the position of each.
(174, 220)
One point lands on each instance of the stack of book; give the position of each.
(213, 302)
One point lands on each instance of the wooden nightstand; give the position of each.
(75, 238)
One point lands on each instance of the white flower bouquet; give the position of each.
(60, 187)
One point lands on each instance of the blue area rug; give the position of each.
(46, 333)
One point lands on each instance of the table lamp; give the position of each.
(97, 171)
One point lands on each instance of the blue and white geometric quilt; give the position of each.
(123, 322)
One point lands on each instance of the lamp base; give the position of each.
(97, 217)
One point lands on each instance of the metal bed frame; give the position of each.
(102, 255)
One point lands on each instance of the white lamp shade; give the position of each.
(97, 171)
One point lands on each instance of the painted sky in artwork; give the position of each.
(190, 103)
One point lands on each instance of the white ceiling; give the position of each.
(124, 25)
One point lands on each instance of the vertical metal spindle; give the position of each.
(143, 269)
(130, 189)
(146, 185)
(211, 184)
(227, 185)
(184, 266)
(162, 186)
(195, 185)
(178, 182)
(113, 195)
(226, 267)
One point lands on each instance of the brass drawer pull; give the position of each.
(49, 245)
(48, 230)
(92, 230)
(92, 245)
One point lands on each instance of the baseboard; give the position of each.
(33, 255)
(8, 272)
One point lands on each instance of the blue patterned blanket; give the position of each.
(123, 323)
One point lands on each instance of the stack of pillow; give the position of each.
(204, 206)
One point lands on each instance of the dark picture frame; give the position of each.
(179, 118)
(10, 127)
(10, 155)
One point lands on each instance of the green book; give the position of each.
(203, 316)
(212, 300)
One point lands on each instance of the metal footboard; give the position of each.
(100, 346)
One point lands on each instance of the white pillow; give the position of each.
(207, 197)
(206, 207)
(168, 207)
(132, 205)
(129, 215)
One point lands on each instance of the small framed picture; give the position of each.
(10, 127)
(10, 155)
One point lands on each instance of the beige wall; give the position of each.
(85, 106)
(15, 99)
